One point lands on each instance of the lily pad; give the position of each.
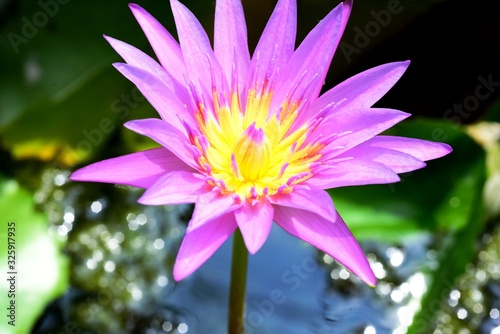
(33, 269)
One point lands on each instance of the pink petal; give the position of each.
(276, 44)
(201, 64)
(421, 149)
(176, 187)
(331, 236)
(166, 135)
(360, 91)
(354, 172)
(255, 221)
(199, 244)
(350, 128)
(397, 161)
(140, 169)
(310, 62)
(230, 39)
(312, 199)
(210, 206)
(163, 99)
(167, 49)
(139, 59)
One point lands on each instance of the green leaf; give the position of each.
(41, 269)
(453, 261)
(60, 97)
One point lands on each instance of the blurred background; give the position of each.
(92, 260)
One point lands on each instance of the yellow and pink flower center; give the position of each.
(252, 152)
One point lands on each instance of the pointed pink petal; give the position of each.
(362, 90)
(176, 187)
(139, 59)
(314, 199)
(331, 236)
(421, 149)
(397, 161)
(166, 135)
(164, 100)
(166, 48)
(276, 44)
(255, 223)
(310, 62)
(139, 169)
(348, 129)
(210, 206)
(196, 50)
(230, 39)
(199, 244)
(354, 172)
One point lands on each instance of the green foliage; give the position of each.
(42, 270)
(60, 97)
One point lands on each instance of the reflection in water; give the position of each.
(473, 306)
(349, 306)
(122, 255)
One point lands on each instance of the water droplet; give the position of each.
(109, 266)
(183, 328)
(69, 217)
(477, 308)
(396, 256)
(137, 294)
(344, 274)
(397, 296)
(167, 326)
(96, 206)
(162, 281)
(370, 330)
(462, 313)
(60, 179)
(91, 264)
(378, 270)
(327, 259)
(417, 282)
(158, 244)
(142, 219)
(455, 294)
(97, 255)
(62, 230)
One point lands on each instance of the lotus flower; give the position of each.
(249, 139)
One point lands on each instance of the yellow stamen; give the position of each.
(250, 151)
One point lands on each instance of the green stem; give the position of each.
(237, 294)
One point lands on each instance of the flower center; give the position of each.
(252, 153)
